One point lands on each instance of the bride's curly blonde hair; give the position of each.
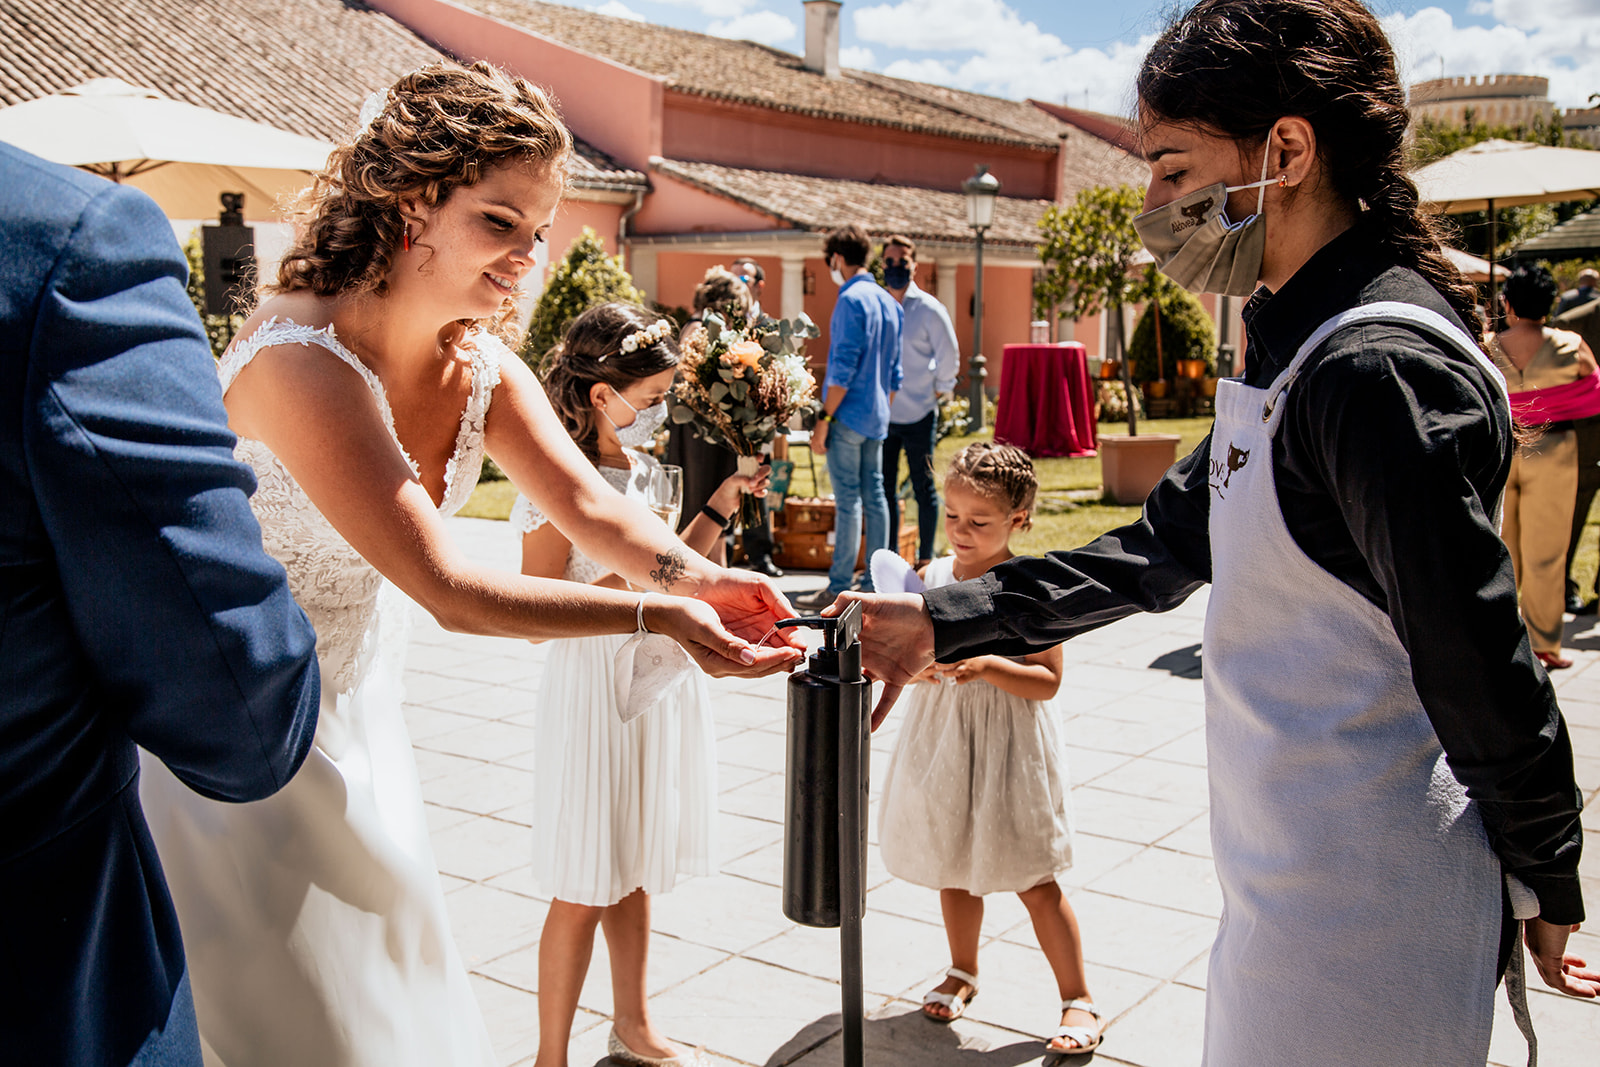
(441, 127)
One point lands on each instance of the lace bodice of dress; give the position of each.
(526, 516)
(337, 588)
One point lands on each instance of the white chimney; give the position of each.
(822, 37)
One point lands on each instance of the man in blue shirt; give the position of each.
(863, 374)
(929, 357)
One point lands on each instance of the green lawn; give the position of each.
(1068, 513)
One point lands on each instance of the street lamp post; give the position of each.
(981, 189)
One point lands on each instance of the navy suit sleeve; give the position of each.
(188, 624)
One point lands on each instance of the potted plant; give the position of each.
(1088, 249)
(1174, 331)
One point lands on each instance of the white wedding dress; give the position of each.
(313, 921)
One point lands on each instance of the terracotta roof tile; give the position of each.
(821, 204)
(303, 66)
(767, 77)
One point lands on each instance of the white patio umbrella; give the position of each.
(1471, 267)
(1498, 173)
(181, 155)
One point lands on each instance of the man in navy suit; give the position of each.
(136, 607)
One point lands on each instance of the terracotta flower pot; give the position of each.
(1208, 387)
(1131, 466)
(1155, 390)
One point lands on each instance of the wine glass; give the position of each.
(664, 494)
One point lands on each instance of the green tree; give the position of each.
(585, 277)
(1087, 251)
(1174, 326)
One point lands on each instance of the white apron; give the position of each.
(1361, 901)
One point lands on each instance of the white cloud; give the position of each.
(1005, 54)
(857, 58)
(763, 27)
(617, 9)
(1559, 39)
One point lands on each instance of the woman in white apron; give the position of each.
(1389, 770)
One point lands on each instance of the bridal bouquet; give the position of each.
(737, 386)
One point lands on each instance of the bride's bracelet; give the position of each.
(638, 615)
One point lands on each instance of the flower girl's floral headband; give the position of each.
(649, 335)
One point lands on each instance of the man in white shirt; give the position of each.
(930, 358)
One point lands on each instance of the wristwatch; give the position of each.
(825, 416)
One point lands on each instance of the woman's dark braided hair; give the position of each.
(1235, 67)
(592, 352)
(1003, 473)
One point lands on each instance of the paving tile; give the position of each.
(1113, 735)
(1159, 780)
(898, 955)
(744, 1010)
(1085, 765)
(1093, 855)
(761, 750)
(441, 819)
(482, 789)
(1171, 879)
(739, 835)
(1193, 837)
(431, 765)
(484, 741)
(1164, 1030)
(1190, 749)
(481, 848)
(1018, 991)
(1128, 818)
(727, 913)
(489, 922)
(759, 799)
(423, 722)
(512, 1016)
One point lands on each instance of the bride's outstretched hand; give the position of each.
(716, 650)
(748, 604)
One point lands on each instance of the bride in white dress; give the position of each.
(366, 392)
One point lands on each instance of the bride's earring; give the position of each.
(405, 239)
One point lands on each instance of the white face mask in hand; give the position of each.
(1196, 246)
(642, 430)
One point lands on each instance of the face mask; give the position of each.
(642, 430)
(838, 278)
(897, 275)
(1196, 246)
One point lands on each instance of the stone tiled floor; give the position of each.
(730, 973)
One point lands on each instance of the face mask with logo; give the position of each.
(897, 275)
(642, 430)
(1196, 246)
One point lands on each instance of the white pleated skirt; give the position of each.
(619, 806)
(976, 794)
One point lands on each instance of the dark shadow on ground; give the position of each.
(1182, 662)
(909, 1038)
(1581, 632)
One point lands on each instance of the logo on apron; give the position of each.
(1237, 458)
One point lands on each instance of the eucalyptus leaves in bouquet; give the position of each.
(737, 385)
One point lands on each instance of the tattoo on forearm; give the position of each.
(673, 568)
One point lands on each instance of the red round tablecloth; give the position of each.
(1046, 400)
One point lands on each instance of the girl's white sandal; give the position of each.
(954, 1001)
(1088, 1040)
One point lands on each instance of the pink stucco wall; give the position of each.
(739, 135)
(615, 108)
(574, 215)
(676, 207)
(1007, 311)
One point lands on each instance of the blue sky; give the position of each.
(1084, 52)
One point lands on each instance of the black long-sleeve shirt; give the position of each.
(1392, 454)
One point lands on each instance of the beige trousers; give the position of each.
(1538, 518)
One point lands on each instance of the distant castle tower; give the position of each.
(1493, 100)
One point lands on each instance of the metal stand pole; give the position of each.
(854, 751)
(977, 371)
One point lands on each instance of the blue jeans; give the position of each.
(855, 466)
(917, 439)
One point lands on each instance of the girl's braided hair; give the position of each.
(1002, 473)
(1235, 67)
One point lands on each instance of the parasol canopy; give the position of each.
(181, 155)
(1495, 174)
(1471, 267)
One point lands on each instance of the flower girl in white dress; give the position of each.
(625, 797)
(365, 392)
(975, 797)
